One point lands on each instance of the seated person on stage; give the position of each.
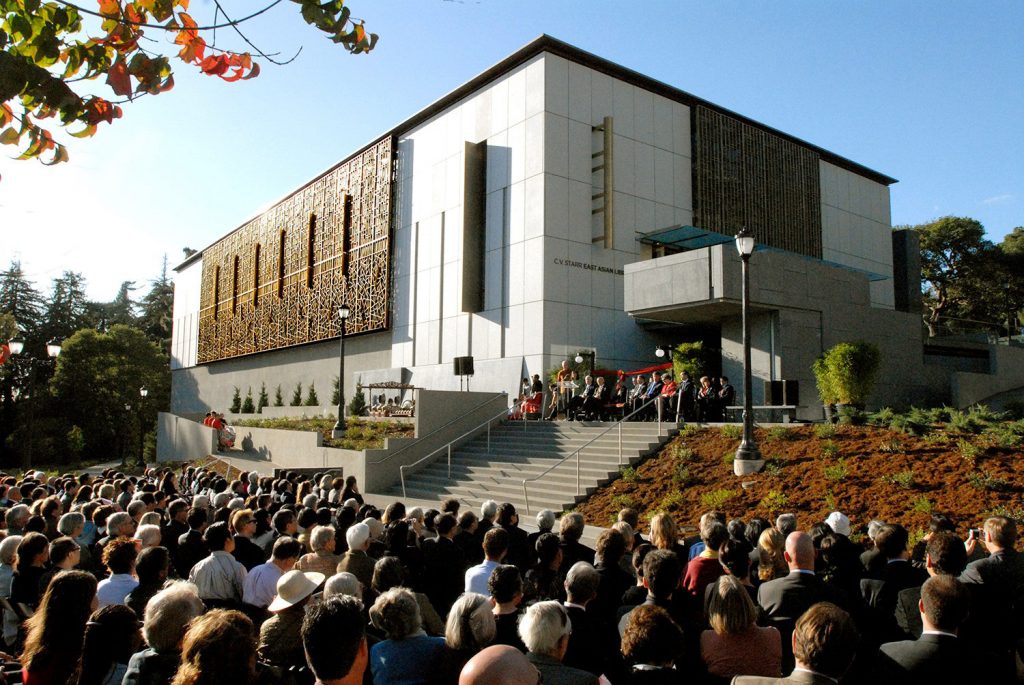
(637, 392)
(706, 400)
(593, 405)
(577, 403)
(666, 401)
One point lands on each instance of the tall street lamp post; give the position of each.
(748, 456)
(52, 351)
(339, 427)
(143, 391)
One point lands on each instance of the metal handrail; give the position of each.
(526, 497)
(488, 422)
(457, 418)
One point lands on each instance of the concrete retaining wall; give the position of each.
(1007, 375)
(181, 439)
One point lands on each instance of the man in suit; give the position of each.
(652, 391)
(584, 650)
(637, 392)
(824, 642)
(687, 397)
(879, 594)
(545, 629)
(944, 556)
(445, 565)
(939, 656)
(785, 599)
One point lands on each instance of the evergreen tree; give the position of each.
(357, 406)
(122, 308)
(278, 398)
(297, 396)
(67, 309)
(264, 401)
(311, 399)
(156, 309)
(248, 407)
(236, 402)
(20, 298)
(336, 392)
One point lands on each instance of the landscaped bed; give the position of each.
(964, 468)
(359, 434)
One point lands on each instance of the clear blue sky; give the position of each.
(929, 93)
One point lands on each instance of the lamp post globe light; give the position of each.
(339, 427)
(748, 456)
(53, 349)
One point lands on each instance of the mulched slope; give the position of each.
(862, 471)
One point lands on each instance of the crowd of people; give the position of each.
(184, 577)
(644, 398)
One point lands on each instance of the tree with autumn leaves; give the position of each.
(51, 53)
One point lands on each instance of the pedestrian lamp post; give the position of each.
(748, 456)
(339, 427)
(17, 346)
(143, 392)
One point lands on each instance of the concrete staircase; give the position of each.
(520, 452)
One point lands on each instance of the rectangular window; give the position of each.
(256, 277)
(310, 250)
(280, 267)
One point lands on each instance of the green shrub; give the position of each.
(882, 417)
(964, 422)
(681, 474)
(673, 500)
(1002, 436)
(728, 458)
(922, 505)
(903, 479)
(688, 357)
(778, 434)
(829, 450)
(628, 474)
(830, 501)
(823, 380)
(772, 468)
(685, 454)
(915, 537)
(893, 446)
(623, 501)
(297, 396)
(236, 402)
(264, 400)
(837, 471)
(311, 399)
(1013, 513)
(937, 438)
(716, 499)
(851, 369)
(690, 429)
(357, 405)
(825, 431)
(910, 424)
(731, 431)
(852, 416)
(969, 452)
(278, 398)
(984, 414)
(774, 503)
(987, 481)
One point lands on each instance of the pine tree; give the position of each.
(311, 399)
(236, 402)
(278, 398)
(357, 406)
(68, 308)
(20, 298)
(122, 308)
(247, 406)
(264, 401)
(155, 310)
(336, 392)
(297, 396)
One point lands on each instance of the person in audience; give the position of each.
(65, 555)
(495, 546)
(219, 647)
(945, 555)
(824, 644)
(334, 640)
(705, 568)
(519, 551)
(544, 581)
(444, 564)
(8, 555)
(581, 584)
(388, 573)
(408, 655)
(167, 615)
(247, 552)
(280, 640)
(148, 534)
(53, 642)
(544, 630)
(322, 559)
(111, 637)
(506, 590)
(651, 643)
(880, 594)
(191, 546)
(873, 560)
(499, 665)
(611, 547)
(661, 574)
(465, 539)
(735, 645)
(470, 627)
(260, 586)
(784, 600)
(152, 569)
(356, 560)
(219, 577)
(29, 568)
(119, 557)
(771, 550)
(938, 655)
(570, 530)
(664, 536)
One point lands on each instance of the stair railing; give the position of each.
(488, 422)
(576, 454)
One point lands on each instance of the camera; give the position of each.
(977, 533)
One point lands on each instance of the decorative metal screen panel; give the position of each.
(746, 176)
(278, 280)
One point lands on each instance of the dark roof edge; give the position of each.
(546, 43)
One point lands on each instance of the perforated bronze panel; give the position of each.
(746, 176)
(327, 244)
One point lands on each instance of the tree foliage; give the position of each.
(51, 52)
(968, 282)
(96, 387)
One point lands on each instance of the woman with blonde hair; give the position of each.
(736, 645)
(219, 647)
(664, 535)
(470, 627)
(771, 547)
